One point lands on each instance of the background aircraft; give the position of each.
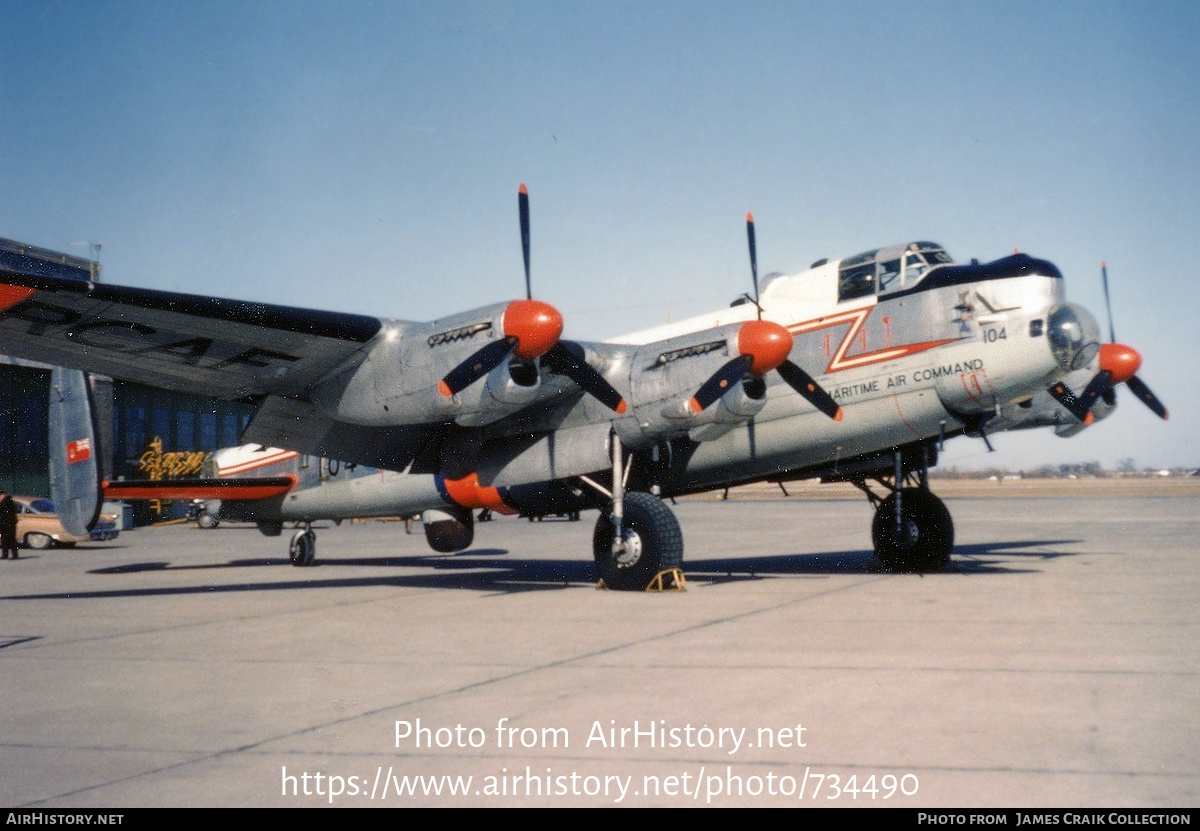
(855, 370)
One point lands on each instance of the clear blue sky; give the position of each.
(365, 156)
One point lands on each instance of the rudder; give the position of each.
(75, 486)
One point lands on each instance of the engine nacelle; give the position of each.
(735, 407)
(666, 374)
(507, 388)
(665, 393)
(402, 378)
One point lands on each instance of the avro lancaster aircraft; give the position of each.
(855, 370)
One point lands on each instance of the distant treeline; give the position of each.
(1075, 470)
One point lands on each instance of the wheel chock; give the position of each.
(670, 580)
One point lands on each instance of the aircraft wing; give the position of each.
(274, 356)
(210, 346)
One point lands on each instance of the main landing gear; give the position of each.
(644, 551)
(912, 530)
(637, 542)
(303, 548)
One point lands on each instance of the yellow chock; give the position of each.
(671, 580)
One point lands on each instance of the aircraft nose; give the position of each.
(1120, 360)
(537, 327)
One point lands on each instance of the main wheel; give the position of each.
(925, 537)
(303, 549)
(652, 542)
(38, 541)
(206, 520)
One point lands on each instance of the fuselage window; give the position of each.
(858, 281)
(888, 274)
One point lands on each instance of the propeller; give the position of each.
(1135, 384)
(763, 346)
(532, 330)
(1118, 364)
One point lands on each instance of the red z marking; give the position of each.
(856, 318)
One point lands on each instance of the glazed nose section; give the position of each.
(1074, 336)
(1120, 360)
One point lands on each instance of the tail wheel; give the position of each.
(925, 536)
(303, 549)
(652, 543)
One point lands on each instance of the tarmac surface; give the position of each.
(1054, 664)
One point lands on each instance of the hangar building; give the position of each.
(139, 425)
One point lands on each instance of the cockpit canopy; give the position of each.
(888, 269)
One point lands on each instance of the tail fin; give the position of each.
(74, 453)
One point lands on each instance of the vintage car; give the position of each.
(38, 525)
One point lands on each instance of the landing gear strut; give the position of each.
(912, 530)
(303, 549)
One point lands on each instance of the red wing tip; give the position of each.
(1088, 419)
(694, 405)
(749, 216)
(523, 190)
(444, 389)
(12, 295)
(621, 407)
(838, 415)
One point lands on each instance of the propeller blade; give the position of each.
(1139, 388)
(478, 365)
(1100, 384)
(753, 259)
(720, 382)
(523, 212)
(1063, 395)
(803, 383)
(1108, 305)
(564, 360)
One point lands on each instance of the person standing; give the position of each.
(8, 527)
